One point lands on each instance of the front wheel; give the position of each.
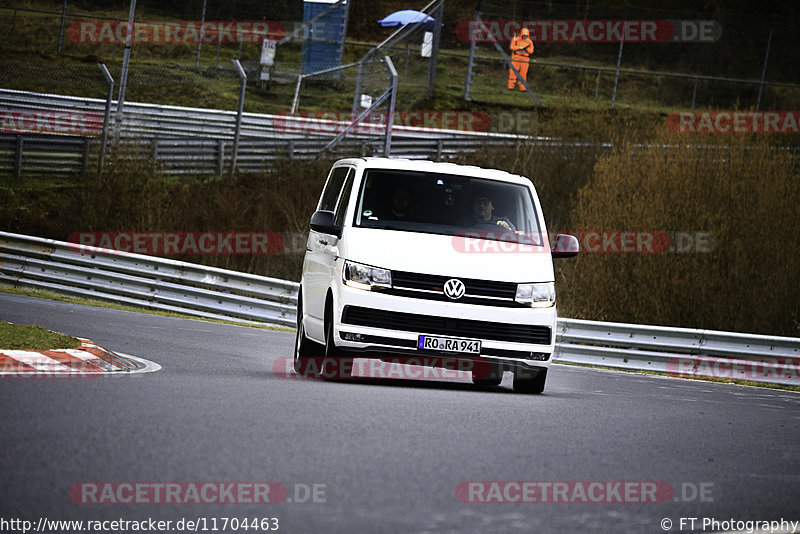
(334, 365)
(307, 354)
(525, 383)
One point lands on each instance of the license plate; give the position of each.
(449, 344)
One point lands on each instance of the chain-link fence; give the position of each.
(647, 58)
(183, 55)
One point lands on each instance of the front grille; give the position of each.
(469, 328)
(430, 287)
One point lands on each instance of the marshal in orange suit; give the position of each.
(521, 52)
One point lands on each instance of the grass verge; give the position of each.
(29, 337)
(751, 383)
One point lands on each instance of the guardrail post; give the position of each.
(221, 156)
(85, 154)
(155, 153)
(18, 163)
(243, 78)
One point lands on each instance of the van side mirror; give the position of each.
(323, 221)
(566, 246)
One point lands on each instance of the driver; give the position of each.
(482, 213)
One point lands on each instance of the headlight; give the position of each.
(537, 295)
(365, 277)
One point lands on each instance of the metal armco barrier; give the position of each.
(192, 289)
(185, 140)
(146, 281)
(680, 351)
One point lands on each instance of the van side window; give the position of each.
(333, 188)
(344, 199)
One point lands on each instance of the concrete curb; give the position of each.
(90, 359)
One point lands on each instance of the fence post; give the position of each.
(470, 64)
(764, 70)
(106, 119)
(619, 63)
(200, 40)
(296, 98)
(61, 29)
(437, 32)
(387, 146)
(597, 85)
(357, 97)
(18, 163)
(123, 78)
(243, 78)
(219, 44)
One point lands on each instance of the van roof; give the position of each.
(434, 166)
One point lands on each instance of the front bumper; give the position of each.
(376, 325)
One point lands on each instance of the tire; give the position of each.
(525, 383)
(488, 375)
(334, 365)
(307, 354)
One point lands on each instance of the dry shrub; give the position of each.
(741, 189)
(132, 198)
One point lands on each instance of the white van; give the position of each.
(432, 264)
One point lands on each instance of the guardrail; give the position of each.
(146, 281)
(184, 140)
(191, 289)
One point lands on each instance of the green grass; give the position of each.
(28, 337)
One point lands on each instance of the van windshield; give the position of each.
(447, 204)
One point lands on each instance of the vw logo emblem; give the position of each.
(454, 289)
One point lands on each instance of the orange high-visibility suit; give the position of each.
(521, 51)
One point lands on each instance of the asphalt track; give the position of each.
(387, 455)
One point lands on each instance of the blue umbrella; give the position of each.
(408, 16)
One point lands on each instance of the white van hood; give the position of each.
(447, 255)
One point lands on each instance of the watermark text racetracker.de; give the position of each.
(735, 122)
(589, 241)
(582, 491)
(169, 32)
(179, 493)
(169, 243)
(592, 31)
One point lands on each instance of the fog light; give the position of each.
(349, 336)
